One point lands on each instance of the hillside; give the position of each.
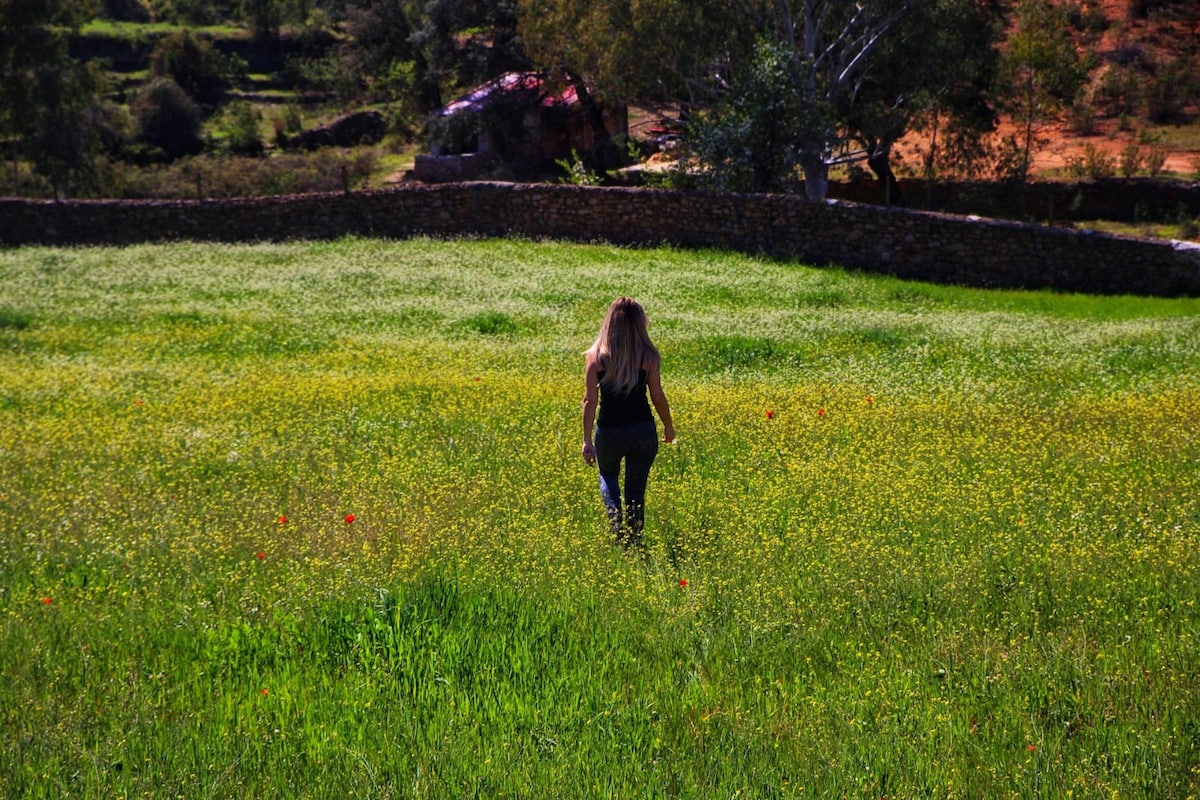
(1131, 47)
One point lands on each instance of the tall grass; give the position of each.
(309, 520)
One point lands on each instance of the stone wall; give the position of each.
(1114, 199)
(911, 244)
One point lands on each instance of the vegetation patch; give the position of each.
(491, 323)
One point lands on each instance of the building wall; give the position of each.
(911, 244)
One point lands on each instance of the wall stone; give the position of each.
(925, 246)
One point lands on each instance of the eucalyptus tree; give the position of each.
(939, 63)
(851, 78)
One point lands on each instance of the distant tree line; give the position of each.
(774, 93)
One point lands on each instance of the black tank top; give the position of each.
(623, 408)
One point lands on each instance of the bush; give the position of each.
(1099, 163)
(1130, 159)
(199, 69)
(1189, 226)
(168, 120)
(1081, 117)
(1119, 92)
(241, 129)
(1168, 94)
(1156, 159)
(125, 10)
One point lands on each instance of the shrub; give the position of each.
(1099, 163)
(125, 10)
(1155, 160)
(1130, 159)
(241, 129)
(168, 119)
(1119, 92)
(1081, 117)
(199, 69)
(1170, 90)
(1189, 226)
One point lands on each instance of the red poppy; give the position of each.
(265, 692)
(820, 412)
(770, 414)
(1030, 747)
(683, 583)
(350, 518)
(46, 601)
(260, 555)
(870, 399)
(282, 519)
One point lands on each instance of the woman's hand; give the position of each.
(668, 433)
(589, 453)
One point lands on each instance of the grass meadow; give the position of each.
(310, 520)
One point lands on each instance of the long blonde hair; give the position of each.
(623, 347)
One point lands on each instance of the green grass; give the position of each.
(1155, 230)
(310, 520)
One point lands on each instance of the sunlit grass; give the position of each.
(310, 520)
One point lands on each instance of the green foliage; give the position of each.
(416, 53)
(265, 16)
(491, 323)
(71, 127)
(1131, 160)
(1174, 85)
(125, 10)
(195, 66)
(241, 128)
(1041, 72)
(168, 120)
(754, 141)
(1095, 163)
(33, 60)
(1119, 91)
(577, 172)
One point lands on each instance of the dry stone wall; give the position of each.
(912, 244)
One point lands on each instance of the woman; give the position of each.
(622, 366)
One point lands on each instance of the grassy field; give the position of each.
(310, 520)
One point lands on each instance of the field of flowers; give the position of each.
(310, 520)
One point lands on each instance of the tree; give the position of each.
(40, 85)
(612, 51)
(168, 119)
(420, 52)
(70, 126)
(754, 142)
(265, 17)
(862, 73)
(935, 69)
(196, 66)
(1040, 73)
(833, 42)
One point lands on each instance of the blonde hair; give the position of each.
(623, 347)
